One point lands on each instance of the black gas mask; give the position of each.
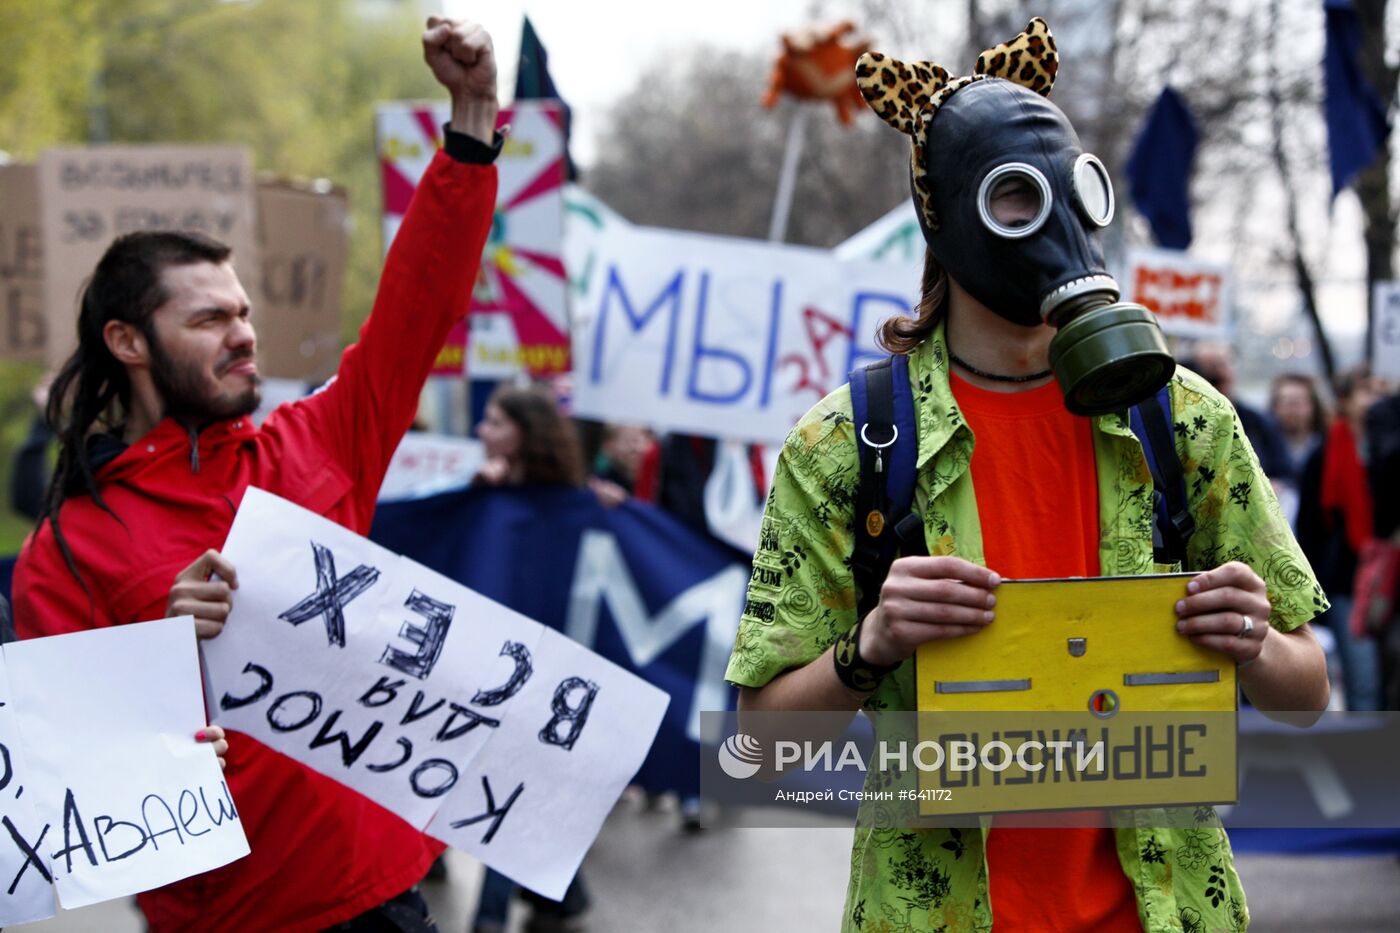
(1019, 204)
(1010, 204)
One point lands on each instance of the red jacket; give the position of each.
(321, 853)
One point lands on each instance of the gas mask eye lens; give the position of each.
(1014, 200)
(1093, 190)
(1014, 203)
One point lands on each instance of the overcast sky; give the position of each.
(597, 50)
(622, 38)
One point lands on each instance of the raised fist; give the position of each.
(460, 54)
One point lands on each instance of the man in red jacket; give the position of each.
(157, 449)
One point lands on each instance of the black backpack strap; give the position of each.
(1172, 522)
(886, 438)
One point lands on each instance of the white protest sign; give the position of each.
(585, 216)
(1385, 331)
(1191, 297)
(108, 719)
(721, 336)
(25, 877)
(422, 694)
(895, 237)
(427, 464)
(561, 771)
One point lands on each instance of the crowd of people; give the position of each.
(1327, 448)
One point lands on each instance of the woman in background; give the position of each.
(1335, 520)
(529, 442)
(1298, 410)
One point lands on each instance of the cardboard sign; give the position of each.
(90, 196)
(519, 315)
(721, 336)
(23, 330)
(1190, 297)
(304, 239)
(105, 792)
(1099, 648)
(470, 721)
(1385, 331)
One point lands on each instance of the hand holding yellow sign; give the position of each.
(1099, 648)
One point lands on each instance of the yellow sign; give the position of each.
(1099, 648)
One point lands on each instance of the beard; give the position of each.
(190, 396)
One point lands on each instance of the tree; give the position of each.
(1263, 150)
(296, 82)
(691, 148)
(1375, 183)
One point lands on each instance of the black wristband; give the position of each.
(469, 149)
(853, 670)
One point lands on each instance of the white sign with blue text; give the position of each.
(724, 337)
(481, 727)
(1385, 331)
(105, 792)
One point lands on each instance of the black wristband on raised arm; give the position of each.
(469, 149)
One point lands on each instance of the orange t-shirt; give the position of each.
(1038, 502)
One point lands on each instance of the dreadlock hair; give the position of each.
(549, 447)
(900, 333)
(92, 391)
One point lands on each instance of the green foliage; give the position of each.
(295, 80)
(16, 415)
(48, 53)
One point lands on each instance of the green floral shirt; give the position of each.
(802, 596)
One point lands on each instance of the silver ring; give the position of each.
(1246, 628)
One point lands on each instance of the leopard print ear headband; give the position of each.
(906, 96)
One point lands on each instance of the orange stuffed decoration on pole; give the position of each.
(816, 65)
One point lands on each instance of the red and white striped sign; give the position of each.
(519, 319)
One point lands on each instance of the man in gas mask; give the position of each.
(1018, 340)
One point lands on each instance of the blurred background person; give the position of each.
(1301, 415)
(33, 462)
(1297, 408)
(1383, 440)
(1215, 362)
(1383, 449)
(528, 441)
(1335, 522)
(618, 465)
(620, 456)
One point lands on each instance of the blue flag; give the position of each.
(1159, 170)
(1356, 123)
(532, 82)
